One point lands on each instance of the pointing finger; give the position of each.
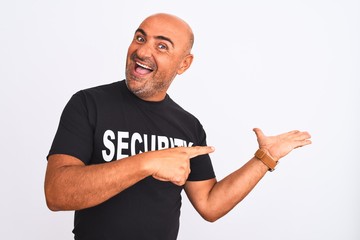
(199, 150)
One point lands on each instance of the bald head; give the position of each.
(176, 24)
(160, 50)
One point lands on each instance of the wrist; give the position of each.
(263, 155)
(147, 163)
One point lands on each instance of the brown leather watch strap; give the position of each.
(266, 159)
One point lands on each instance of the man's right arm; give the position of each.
(70, 185)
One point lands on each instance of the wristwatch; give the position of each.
(266, 159)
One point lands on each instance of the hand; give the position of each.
(173, 164)
(280, 145)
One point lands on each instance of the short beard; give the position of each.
(146, 92)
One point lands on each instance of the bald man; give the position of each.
(124, 151)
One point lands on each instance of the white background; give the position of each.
(277, 65)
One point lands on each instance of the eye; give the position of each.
(140, 39)
(162, 46)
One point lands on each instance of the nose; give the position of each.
(144, 51)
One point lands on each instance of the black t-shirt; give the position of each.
(107, 123)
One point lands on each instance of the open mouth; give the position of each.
(143, 69)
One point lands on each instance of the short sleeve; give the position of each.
(201, 166)
(74, 135)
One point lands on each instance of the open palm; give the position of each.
(280, 145)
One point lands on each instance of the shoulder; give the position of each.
(182, 114)
(176, 107)
(104, 89)
(86, 101)
(98, 93)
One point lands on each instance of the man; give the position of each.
(123, 152)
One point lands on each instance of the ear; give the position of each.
(185, 64)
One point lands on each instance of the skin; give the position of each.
(162, 45)
(162, 48)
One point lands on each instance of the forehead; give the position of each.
(167, 27)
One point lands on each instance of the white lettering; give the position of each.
(153, 142)
(109, 145)
(171, 142)
(163, 142)
(136, 144)
(121, 144)
(178, 142)
(135, 137)
(145, 143)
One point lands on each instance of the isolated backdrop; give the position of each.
(277, 65)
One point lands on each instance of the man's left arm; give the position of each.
(214, 199)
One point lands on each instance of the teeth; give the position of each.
(143, 66)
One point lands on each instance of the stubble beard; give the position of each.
(147, 87)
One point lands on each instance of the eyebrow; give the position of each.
(156, 37)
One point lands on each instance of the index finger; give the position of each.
(199, 150)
